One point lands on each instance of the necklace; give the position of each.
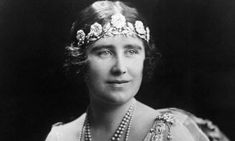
(126, 121)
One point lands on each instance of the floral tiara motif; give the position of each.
(117, 26)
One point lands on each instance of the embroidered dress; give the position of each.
(170, 125)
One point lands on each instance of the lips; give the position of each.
(117, 81)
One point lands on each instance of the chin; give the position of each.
(116, 98)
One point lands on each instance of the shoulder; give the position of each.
(69, 131)
(183, 126)
(198, 126)
(179, 125)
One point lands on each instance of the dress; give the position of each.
(171, 124)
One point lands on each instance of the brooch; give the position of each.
(162, 127)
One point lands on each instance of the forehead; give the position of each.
(119, 41)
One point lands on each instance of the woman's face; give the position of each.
(115, 66)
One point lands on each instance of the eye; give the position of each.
(131, 52)
(104, 53)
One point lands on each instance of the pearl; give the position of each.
(126, 120)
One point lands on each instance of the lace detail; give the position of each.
(211, 130)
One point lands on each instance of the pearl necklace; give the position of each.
(126, 120)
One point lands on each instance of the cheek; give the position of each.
(92, 76)
(137, 67)
(92, 70)
(96, 69)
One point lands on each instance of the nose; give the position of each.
(119, 66)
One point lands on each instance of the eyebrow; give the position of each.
(133, 46)
(128, 46)
(99, 47)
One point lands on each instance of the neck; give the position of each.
(107, 117)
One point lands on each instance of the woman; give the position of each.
(111, 47)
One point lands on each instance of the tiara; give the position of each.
(117, 26)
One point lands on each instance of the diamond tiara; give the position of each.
(117, 26)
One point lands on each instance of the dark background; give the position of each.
(196, 72)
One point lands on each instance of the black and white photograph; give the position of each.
(117, 70)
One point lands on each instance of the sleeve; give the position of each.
(211, 130)
(200, 128)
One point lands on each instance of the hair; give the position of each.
(101, 12)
